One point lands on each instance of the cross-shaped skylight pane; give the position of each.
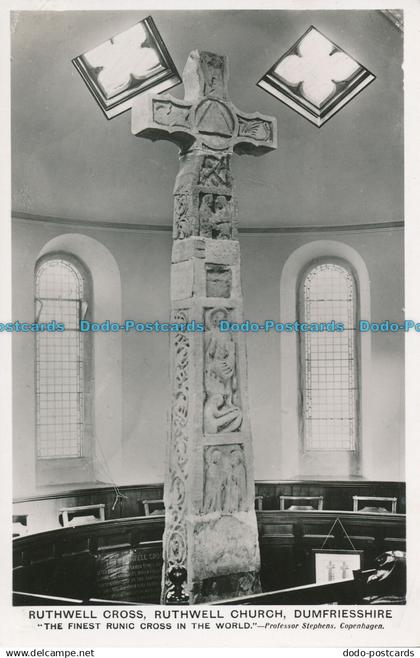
(316, 77)
(127, 65)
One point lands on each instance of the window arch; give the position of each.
(102, 410)
(294, 458)
(63, 363)
(328, 359)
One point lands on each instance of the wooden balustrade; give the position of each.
(121, 560)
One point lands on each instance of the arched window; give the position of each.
(62, 361)
(337, 271)
(329, 378)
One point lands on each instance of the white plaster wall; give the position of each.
(143, 259)
(263, 258)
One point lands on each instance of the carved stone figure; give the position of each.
(236, 483)
(214, 481)
(213, 70)
(215, 216)
(206, 215)
(220, 417)
(215, 171)
(220, 361)
(256, 128)
(221, 411)
(222, 221)
(169, 114)
(224, 479)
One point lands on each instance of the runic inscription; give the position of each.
(211, 541)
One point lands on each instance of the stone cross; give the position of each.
(211, 541)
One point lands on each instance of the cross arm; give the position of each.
(256, 134)
(163, 117)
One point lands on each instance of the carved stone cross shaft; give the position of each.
(211, 541)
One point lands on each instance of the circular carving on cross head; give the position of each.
(217, 122)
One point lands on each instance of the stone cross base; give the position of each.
(210, 525)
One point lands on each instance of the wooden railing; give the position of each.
(77, 562)
(42, 508)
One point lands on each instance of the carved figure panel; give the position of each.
(213, 70)
(225, 479)
(259, 129)
(215, 216)
(222, 410)
(218, 280)
(215, 171)
(168, 113)
(224, 546)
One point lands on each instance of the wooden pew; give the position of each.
(384, 584)
(103, 560)
(288, 537)
(81, 562)
(337, 495)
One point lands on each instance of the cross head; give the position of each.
(205, 119)
(208, 128)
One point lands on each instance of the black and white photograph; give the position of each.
(208, 321)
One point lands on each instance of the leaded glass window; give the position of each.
(60, 383)
(329, 359)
